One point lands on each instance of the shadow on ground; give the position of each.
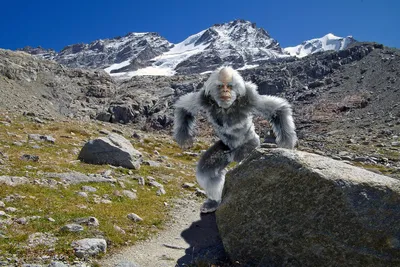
(205, 243)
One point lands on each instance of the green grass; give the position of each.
(63, 204)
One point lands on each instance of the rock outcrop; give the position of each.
(292, 208)
(113, 149)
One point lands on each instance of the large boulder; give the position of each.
(113, 149)
(292, 208)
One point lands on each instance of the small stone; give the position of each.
(119, 229)
(88, 188)
(89, 221)
(188, 185)
(395, 144)
(74, 228)
(3, 214)
(51, 219)
(82, 194)
(141, 181)
(11, 209)
(28, 157)
(161, 191)
(22, 220)
(2, 205)
(134, 217)
(151, 163)
(129, 194)
(89, 247)
(57, 264)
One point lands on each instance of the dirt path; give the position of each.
(189, 238)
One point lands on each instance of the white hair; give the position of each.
(237, 81)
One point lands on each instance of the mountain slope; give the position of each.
(129, 52)
(236, 43)
(325, 43)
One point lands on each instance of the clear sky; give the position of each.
(55, 24)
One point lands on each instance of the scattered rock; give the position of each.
(72, 227)
(42, 239)
(13, 180)
(161, 191)
(77, 177)
(113, 149)
(151, 163)
(129, 194)
(89, 221)
(88, 188)
(188, 185)
(89, 247)
(28, 157)
(134, 217)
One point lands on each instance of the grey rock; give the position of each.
(161, 191)
(38, 137)
(134, 217)
(77, 177)
(72, 227)
(11, 209)
(2, 205)
(89, 221)
(129, 194)
(88, 188)
(155, 183)
(41, 239)
(113, 149)
(188, 185)
(83, 194)
(22, 220)
(28, 157)
(57, 264)
(89, 247)
(151, 163)
(13, 180)
(3, 214)
(283, 207)
(141, 181)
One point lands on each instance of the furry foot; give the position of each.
(209, 206)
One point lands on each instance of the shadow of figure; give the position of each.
(205, 244)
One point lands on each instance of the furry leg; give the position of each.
(211, 174)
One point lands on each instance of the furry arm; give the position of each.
(279, 112)
(186, 108)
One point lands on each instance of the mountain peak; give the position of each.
(327, 42)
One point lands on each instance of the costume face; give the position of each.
(224, 93)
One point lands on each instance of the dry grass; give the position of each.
(62, 203)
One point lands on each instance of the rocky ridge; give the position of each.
(239, 43)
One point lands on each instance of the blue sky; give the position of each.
(55, 24)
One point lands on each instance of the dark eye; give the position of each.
(229, 86)
(219, 86)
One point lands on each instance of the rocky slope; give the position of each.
(345, 103)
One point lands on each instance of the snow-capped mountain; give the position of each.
(238, 43)
(325, 43)
(136, 48)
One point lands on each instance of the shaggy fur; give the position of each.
(232, 121)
